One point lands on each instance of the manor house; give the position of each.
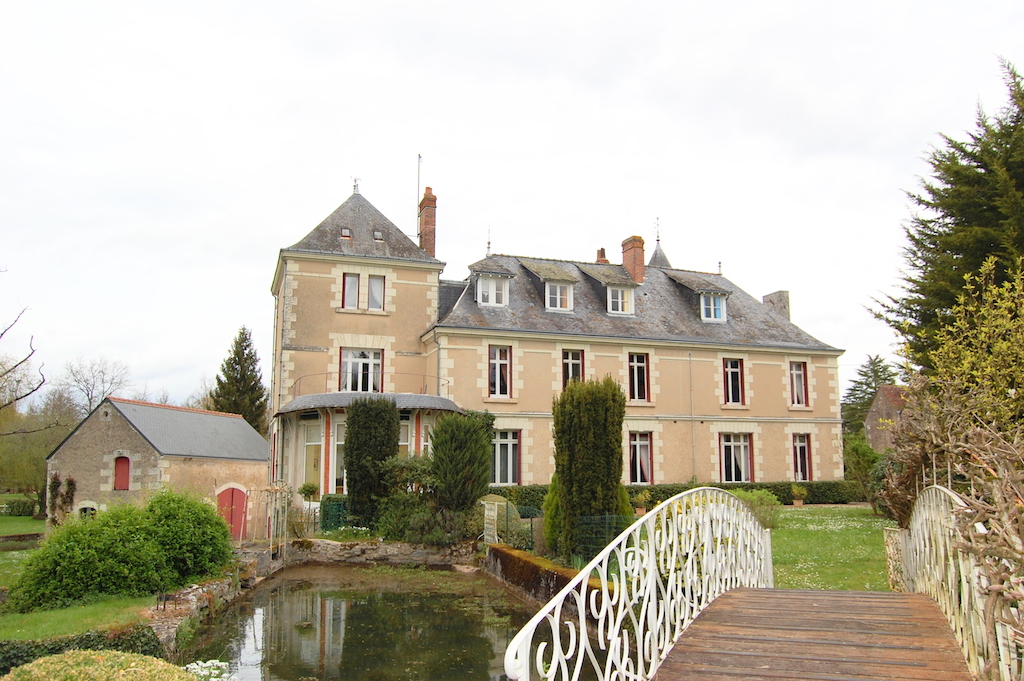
(721, 387)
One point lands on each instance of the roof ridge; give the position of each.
(174, 406)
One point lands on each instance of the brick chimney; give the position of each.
(633, 258)
(602, 259)
(428, 222)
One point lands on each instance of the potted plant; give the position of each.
(641, 501)
(799, 494)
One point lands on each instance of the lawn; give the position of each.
(829, 547)
(109, 612)
(16, 524)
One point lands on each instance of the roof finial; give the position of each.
(719, 266)
(488, 242)
(355, 185)
(657, 230)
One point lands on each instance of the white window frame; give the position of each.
(639, 376)
(737, 464)
(499, 365)
(798, 384)
(492, 291)
(505, 457)
(620, 300)
(712, 307)
(362, 371)
(732, 370)
(641, 452)
(558, 296)
(375, 298)
(802, 453)
(339, 456)
(572, 366)
(350, 291)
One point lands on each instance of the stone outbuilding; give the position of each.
(125, 450)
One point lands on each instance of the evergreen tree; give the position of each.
(371, 438)
(872, 374)
(239, 388)
(972, 208)
(588, 453)
(461, 461)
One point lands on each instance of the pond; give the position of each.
(365, 623)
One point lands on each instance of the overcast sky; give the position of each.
(154, 157)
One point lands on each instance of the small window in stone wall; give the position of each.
(122, 472)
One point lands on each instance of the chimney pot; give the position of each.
(633, 258)
(602, 259)
(428, 221)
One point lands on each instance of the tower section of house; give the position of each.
(352, 299)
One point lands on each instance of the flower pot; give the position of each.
(798, 502)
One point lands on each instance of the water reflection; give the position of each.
(365, 624)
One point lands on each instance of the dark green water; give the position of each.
(326, 622)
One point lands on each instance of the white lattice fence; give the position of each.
(932, 564)
(623, 612)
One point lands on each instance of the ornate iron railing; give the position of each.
(620, 616)
(929, 562)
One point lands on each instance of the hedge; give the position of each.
(21, 507)
(137, 638)
(819, 491)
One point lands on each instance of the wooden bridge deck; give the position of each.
(778, 634)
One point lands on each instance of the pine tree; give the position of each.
(872, 374)
(972, 208)
(239, 388)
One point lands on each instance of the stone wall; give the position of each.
(530, 576)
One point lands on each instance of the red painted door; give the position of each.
(231, 505)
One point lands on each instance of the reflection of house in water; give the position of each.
(299, 629)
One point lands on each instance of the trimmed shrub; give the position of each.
(762, 503)
(21, 507)
(396, 512)
(587, 419)
(195, 539)
(461, 459)
(552, 515)
(522, 495)
(371, 438)
(113, 553)
(80, 662)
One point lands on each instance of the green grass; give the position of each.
(829, 547)
(15, 524)
(10, 566)
(109, 612)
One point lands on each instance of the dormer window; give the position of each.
(492, 291)
(712, 307)
(378, 236)
(620, 300)
(559, 296)
(346, 233)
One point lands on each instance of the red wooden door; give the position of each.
(231, 505)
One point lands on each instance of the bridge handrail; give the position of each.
(933, 564)
(638, 594)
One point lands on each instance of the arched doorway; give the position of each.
(231, 506)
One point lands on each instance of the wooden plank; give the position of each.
(780, 634)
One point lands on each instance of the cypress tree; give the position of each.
(588, 453)
(239, 388)
(371, 438)
(462, 459)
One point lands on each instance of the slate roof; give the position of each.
(343, 399)
(666, 309)
(177, 431)
(658, 258)
(364, 223)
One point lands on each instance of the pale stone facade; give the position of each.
(728, 393)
